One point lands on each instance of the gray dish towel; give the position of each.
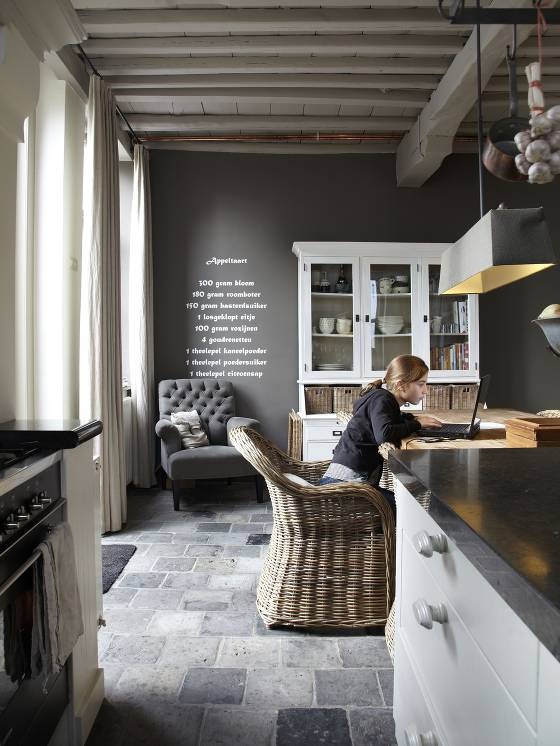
(57, 610)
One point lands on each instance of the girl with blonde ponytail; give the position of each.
(377, 419)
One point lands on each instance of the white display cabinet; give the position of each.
(360, 305)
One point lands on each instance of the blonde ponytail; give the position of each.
(377, 384)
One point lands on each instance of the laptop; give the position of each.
(468, 430)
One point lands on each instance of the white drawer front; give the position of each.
(318, 450)
(549, 693)
(322, 431)
(505, 640)
(410, 708)
(471, 702)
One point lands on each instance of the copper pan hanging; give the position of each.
(500, 148)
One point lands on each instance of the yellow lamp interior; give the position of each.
(495, 277)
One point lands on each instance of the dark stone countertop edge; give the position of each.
(49, 434)
(540, 615)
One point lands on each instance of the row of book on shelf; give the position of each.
(460, 317)
(450, 396)
(450, 357)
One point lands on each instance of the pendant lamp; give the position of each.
(504, 246)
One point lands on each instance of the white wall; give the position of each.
(8, 183)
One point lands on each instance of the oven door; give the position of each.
(30, 707)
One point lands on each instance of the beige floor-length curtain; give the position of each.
(141, 323)
(100, 305)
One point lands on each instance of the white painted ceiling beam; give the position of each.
(244, 123)
(140, 4)
(430, 140)
(372, 45)
(340, 96)
(248, 64)
(273, 21)
(248, 80)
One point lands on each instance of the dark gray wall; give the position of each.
(207, 204)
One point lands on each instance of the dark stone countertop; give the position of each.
(501, 506)
(50, 434)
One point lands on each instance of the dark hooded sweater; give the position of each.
(377, 418)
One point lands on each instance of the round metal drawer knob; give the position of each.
(426, 614)
(427, 545)
(414, 738)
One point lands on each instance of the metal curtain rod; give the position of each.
(134, 136)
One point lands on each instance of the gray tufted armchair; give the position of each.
(214, 401)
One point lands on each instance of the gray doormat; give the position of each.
(113, 561)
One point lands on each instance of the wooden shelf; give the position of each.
(332, 295)
(405, 334)
(393, 295)
(449, 334)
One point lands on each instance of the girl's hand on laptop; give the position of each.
(427, 420)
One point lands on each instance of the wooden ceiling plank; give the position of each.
(430, 140)
(303, 80)
(222, 4)
(372, 97)
(371, 44)
(194, 124)
(274, 21)
(247, 64)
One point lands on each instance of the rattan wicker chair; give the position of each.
(549, 413)
(331, 560)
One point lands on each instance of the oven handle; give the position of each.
(7, 584)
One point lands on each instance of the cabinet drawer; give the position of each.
(504, 639)
(324, 431)
(470, 701)
(319, 450)
(410, 708)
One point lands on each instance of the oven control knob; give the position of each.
(22, 514)
(44, 498)
(10, 524)
(35, 504)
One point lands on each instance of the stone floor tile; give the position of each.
(279, 687)
(244, 601)
(215, 565)
(198, 515)
(213, 528)
(310, 653)
(158, 537)
(348, 686)
(258, 539)
(103, 640)
(175, 623)
(236, 726)
(366, 652)
(259, 518)
(247, 528)
(174, 564)
(140, 563)
(239, 582)
(166, 550)
(144, 683)
(230, 539)
(226, 624)
(249, 564)
(118, 598)
(249, 652)
(157, 598)
(385, 677)
(133, 649)
(192, 537)
(262, 629)
(185, 580)
(129, 621)
(372, 727)
(163, 723)
(213, 686)
(109, 727)
(206, 600)
(142, 580)
(205, 550)
(243, 551)
(189, 651)
(111, 675)
(312, 727)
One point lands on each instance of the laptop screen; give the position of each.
(481, 396)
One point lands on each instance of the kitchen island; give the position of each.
(477, 597)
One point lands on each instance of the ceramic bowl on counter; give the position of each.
(326, 325)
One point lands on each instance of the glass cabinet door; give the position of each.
(389, 301)
(333, 348)
(449, 329)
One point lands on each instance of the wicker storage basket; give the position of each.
(438, 396)
(344, 397)
(318, 399)
(463, 396)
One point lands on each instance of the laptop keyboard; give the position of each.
(451, 429)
